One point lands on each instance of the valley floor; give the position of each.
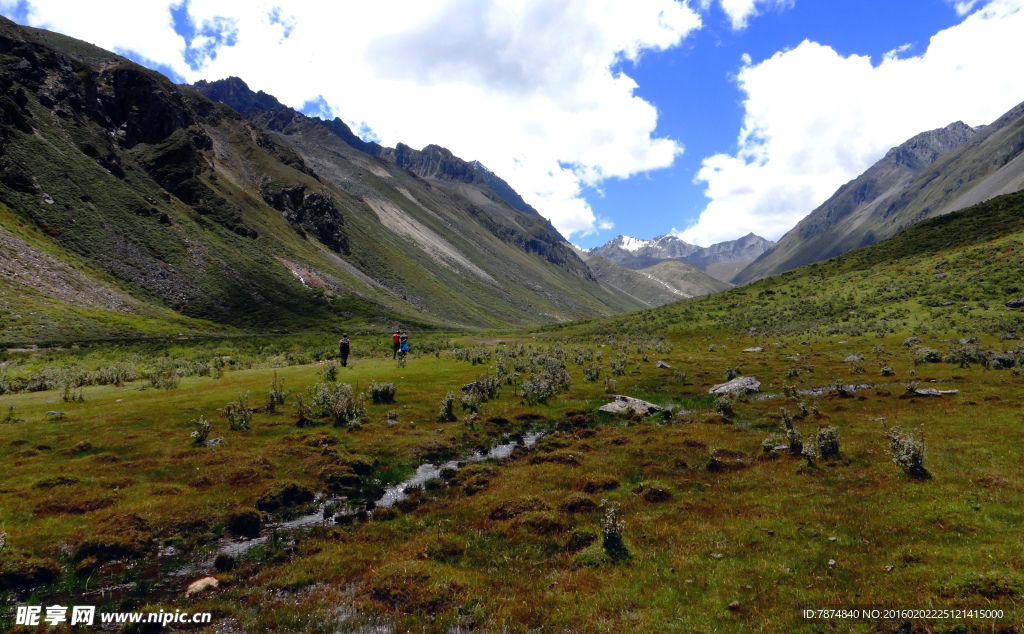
(112, 503)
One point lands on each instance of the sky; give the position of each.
(706, 119)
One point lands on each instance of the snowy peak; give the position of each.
(630, 244)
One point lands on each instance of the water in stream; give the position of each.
(424, 473)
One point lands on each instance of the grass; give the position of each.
(951, 541)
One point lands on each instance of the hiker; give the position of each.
(343, 348)
(396, 340)
(403, 348)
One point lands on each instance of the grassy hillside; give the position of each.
(713, 520)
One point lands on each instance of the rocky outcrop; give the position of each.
(307, 211)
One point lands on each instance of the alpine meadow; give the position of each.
(644, 436)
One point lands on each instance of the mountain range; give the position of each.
(720, 261)
(933, 173)
(133, 206)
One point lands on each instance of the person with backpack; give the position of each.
(396, 341)
(343, 349)
(403, 348)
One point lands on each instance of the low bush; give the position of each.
(383, 392)
(907, 451)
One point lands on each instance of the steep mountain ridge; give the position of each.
(432, 162)
(210, 220)
(933, 173)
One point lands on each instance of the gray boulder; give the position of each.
(737, 387)
(1015, 303)
(662, 365)
(757, 349)
(911, 341)
(626, 404)
(931, 391)
(852, 359)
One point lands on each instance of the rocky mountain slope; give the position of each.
(190, 216)
(933, 173)
(637, 254)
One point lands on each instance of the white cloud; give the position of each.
(527, 88)
(963, 7)
(815, 119)
(741, 11)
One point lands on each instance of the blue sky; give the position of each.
(700, 104)
(704, 118)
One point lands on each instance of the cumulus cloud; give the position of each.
(815, 119)
(528, 88)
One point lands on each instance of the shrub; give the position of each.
(551, 380)
(793, 438)
(1002, 360)
(724, 405)
(838, 389)
(276, 394)
(609, 385)
(446, 414)
(924, 354)
(618, 366)
(886, 371)
(772, 441)
(907, 451)
(612, 526)
(383, 392)
(300, 410)
(202, 431)
(337, 401)
(330, 372)
(582, 355)
(470, 401)
(592, 372)
(827, 440)
(965, 355)
(238, 413)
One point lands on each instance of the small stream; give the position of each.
(815, 392)
(392, 495)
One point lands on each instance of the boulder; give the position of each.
(662, 365)
(623, 404)
(1015, 303)
(200, 585)
(911, 341)
(757, 349)
(474, 387)
(852, 359)
(737, 387)
(931, 391)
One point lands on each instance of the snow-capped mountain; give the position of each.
(637, 254)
